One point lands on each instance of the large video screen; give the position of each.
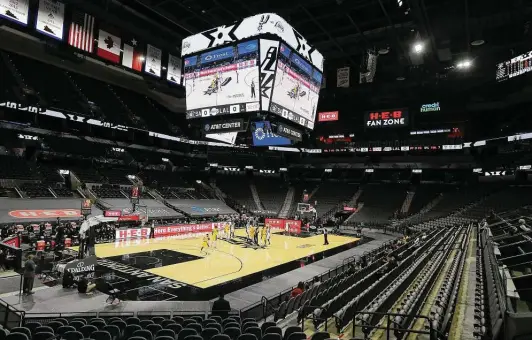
(514, 67)
(297, 88)
(223, 81)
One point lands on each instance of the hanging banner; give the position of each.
(342, 77)
(153, 61)
(15, 10)
(173, 73)
(51, 18)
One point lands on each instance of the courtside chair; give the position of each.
(121, 324)
(232, 332)
(54, 325)
(17, 336)
(130, 329)
(255, 331)
(320, 336)
(196, 326)
(154, 328)
(247, 337)
(32, 326)
(3, 334)
(289, 330)
(215, 325)
(44, 329)
(43, 336)
(133, 321)
(143, 333)
(232, 325)
(272, 336)
(198, 319)
(158, 319)
(100, 324)
(217, 318)
(175, 327)
(83, 321)
(275, 330)
(248, 325)
(145, 323)
(22, 330)
(193, 337)
(208, 333)
(165, 323)
(165, 333)
(185, 333)
(87, 330)
(114, 331)
(266, 325)
(164, 338)
(101, 335)
(63, 329)
(178, 319)
(221, 337)
(136, 338)
(62, 320)
(73, 336)
(297, 336)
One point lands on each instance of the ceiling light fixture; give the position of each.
(478, 42)
(418, 47)
(464, 64)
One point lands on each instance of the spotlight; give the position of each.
(464, 64)
(418, 47)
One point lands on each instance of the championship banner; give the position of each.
(15, 10)
(342, 77)
(124, 234)
(153, 61)
(386, 118)
(12, 241)
(51, 18)
(182, 229)
(173, 73)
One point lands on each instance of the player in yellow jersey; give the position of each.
(214, 236)
(226, 231)
(263, 235)
(251, 233)
(205, 243)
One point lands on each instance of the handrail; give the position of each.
(398, 332)
(9, 310)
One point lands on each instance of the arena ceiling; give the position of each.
(483, 31)
(344, 30)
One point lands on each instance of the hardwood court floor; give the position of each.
(226, 262)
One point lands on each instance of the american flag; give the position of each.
(81, 34)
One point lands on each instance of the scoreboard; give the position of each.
(514, 67)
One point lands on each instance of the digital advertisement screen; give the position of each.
(514, 67)
(264, 136)
(386, 118)
(224, 81)
(296, 88)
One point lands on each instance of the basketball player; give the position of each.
(226, 231)
(205, 243)
(251, 234)
(263, 234)
(268, 234)
(214, 236)
(232, 227)
(248, 227)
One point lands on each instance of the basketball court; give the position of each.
(176, 268)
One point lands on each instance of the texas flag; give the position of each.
(132, 55)
(109, 46)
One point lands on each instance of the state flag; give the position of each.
(109, 46)
(133, 55)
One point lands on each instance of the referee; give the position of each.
(325, 240)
